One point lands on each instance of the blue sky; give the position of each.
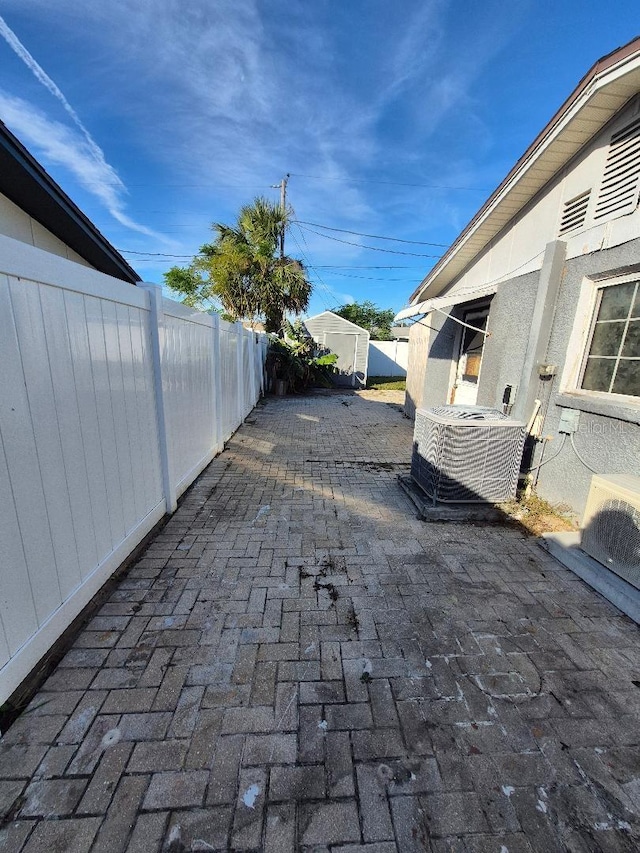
(159, 117)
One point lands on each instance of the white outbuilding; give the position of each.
(348, 341)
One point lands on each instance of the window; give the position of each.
(612, 364)
(472, 345)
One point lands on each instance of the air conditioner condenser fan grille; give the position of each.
(464, 455)
(612, 536)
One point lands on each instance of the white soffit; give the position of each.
(601, 99)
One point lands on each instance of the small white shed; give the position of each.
(348, 341)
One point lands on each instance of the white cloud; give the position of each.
(241, 92)
(80, 154)
(213, 90)
(62, 146)
(39, 73)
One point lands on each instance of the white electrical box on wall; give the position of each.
(569, 421)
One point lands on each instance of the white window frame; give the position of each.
(580, 339)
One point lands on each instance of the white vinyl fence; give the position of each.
(112, 401)
(388, 358)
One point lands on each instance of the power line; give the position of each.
(361, 246)
(310, 265)
(370, 277)
(365, 267)
(374, 236)
(227, 186)
(388, 183)
(152, 254)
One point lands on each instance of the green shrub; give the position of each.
(292, 363)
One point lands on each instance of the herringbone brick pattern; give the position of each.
(298, 663)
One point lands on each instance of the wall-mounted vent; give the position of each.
(574, 212)
(621, 180)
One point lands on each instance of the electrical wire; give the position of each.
(550, 458)
(388, 183)
(361, 246)
(482, 290)
(152, 254)
(366, 277)
(374, 236)
(310, 265)
(431, 328)
(358, 267)
(462, 323)
(216, 186)
(575, 450)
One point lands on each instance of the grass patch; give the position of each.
(538, 516)
(387, 383)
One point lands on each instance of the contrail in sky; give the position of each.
(106, 183)
(41, 75)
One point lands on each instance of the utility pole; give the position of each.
(283, 205)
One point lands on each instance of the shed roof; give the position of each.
(602, 92)
(333, 315)
(26, 183)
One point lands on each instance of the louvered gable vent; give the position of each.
(619, 190)
(574, 212)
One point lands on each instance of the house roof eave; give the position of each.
(603, 91)
(26, 183)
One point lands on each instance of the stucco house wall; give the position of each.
(504, 349)
(608, 438)
(600, 250)
(519, 246)
(419, 334)
(441, 352)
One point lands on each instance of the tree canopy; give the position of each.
(243, 272)
(369, 316)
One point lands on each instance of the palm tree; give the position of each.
(243, 271)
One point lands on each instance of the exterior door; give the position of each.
(465, 389)
(345, 347)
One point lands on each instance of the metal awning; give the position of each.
(440, 303)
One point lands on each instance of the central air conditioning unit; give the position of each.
(611, 525)
(466, 454)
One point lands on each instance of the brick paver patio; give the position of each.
(298, 663)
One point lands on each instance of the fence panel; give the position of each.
(229, 377)
(388, 358)
(188, 377)
(104, 388)
(79, 482)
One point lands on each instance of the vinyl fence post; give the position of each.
(157, 330)
(257, 365)
(264, 349)
(253, 364)
(240, 371)
(217, 383)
